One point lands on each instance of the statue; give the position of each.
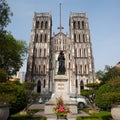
(61, 59)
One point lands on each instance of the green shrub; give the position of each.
(108, 94)
(13, 94)
(102, 115)
(20, 101)
(3, 75)
(26, 117)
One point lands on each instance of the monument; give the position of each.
(61, 87)
(61, 59)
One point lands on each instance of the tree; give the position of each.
(12, 54)
(5, 14)
(91, 93)
(113, 72)
(108, 73)
(108, 94)
(100, 74)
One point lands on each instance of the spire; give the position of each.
(60, 27)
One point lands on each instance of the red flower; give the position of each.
(60, 108)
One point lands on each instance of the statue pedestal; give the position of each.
(61, 89)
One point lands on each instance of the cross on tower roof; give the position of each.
(60, 27)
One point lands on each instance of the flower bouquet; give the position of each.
(60, 109)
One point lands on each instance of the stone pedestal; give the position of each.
(61, 89)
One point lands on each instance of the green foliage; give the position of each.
(92, 85)
(108, 94)
(12, 54)
(29, 85)
(20, 102)
(14, 94)
(90, 93)
(3, 75)
(26, 117)
(102, 115)
(100, 74)
(113, 97)
(5, 14)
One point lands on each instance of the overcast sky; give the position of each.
(103, 16)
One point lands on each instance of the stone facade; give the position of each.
(42, 65)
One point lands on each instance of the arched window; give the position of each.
(39, 86)
(41, 37)
(69, 65)
(83, 38)
(81, 69)
(85, 71)
(45, 38)
(78, 24)
(44, 83)
(39, 69)
(84, 53)
(75, 37)
(80, 53)
(83, 24)
(46, 25)
(42, 25)
(76, 68)
(44, 52)
(74, 25)
(36, 38)
(69, 56)
(44, 69)
(81, 85)
(40, 52)
(37, 24)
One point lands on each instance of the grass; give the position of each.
(102, 115)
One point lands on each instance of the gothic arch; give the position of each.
(41, 36)
(46, 25)
(36, 38)
(45, 38)
(37, 24)
(42, 25)
(74, 25)
(81, 85)
(44, 83)
(39, 86)
(83, 24)
(78, 24)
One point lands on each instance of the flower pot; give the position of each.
(4, 112)
(62, 117)
(115, 112)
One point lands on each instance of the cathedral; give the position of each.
(46, 50)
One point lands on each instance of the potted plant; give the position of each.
(60, 109)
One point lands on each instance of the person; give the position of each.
(61, 59)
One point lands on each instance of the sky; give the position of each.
(103, 17)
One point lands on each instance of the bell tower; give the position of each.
(83, 58)
(38, 64)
